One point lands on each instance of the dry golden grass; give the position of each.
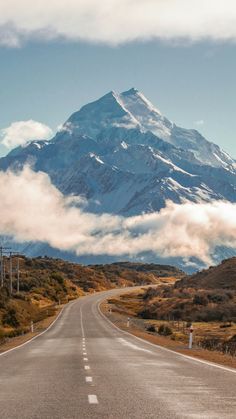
(178, 344)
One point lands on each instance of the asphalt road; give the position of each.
(83, 367)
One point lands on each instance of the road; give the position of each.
(83, 367)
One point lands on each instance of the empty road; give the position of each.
(83, 367)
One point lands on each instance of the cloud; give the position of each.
(117, 21)
(36, 211)
(200, 122)
(21, 132)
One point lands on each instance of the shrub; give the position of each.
(164, 330)
(151, 328)
(199, 299)
(57, 277)
(10, 318)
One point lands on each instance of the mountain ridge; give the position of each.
(124, 157)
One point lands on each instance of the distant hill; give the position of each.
(138, 271)
(216, 277)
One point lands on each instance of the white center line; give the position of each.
(81, 323)
(85, 359)
(87, 367)
(92, 398)
(88, 379)
(85, 353)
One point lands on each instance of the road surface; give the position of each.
(83, 367)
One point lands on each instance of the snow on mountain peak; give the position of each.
(108, 111)
(131, 110)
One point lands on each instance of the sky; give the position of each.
(57, 56)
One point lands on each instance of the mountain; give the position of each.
(126, 158)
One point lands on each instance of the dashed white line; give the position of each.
(81, 323)
(87, 367)
(85, 353)
(92, 398)
(85, 359)
(88, 379)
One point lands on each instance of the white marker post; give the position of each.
(190, 345)
(32, 326)
(128, 322)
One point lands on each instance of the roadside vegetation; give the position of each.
(46, 283)
(207, 300)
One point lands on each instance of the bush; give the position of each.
(218, 298)
(151, 328)
(57, 277)
(10, 318)
(199, 299)
(164, 330)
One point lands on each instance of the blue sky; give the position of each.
(192, 82)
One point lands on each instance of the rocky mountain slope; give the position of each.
(122, 155)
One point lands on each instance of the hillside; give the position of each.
(206, 299)
(209, 295)
(47, 282)
(222, 276)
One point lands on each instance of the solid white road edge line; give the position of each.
(201, 361)
(40, 334)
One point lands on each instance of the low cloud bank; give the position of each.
(116, 21)
(32, 209)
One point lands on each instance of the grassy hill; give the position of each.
(207, 299)
(222, 277)
(209, 295)
(45, 282)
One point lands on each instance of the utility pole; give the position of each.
(10, 271)
(1, 257)
(18, 276)
(2, 251)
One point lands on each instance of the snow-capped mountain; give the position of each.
(125, 157)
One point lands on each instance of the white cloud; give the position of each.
(21, 132)
(200, 122)
(117, 21)
(36, 211)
